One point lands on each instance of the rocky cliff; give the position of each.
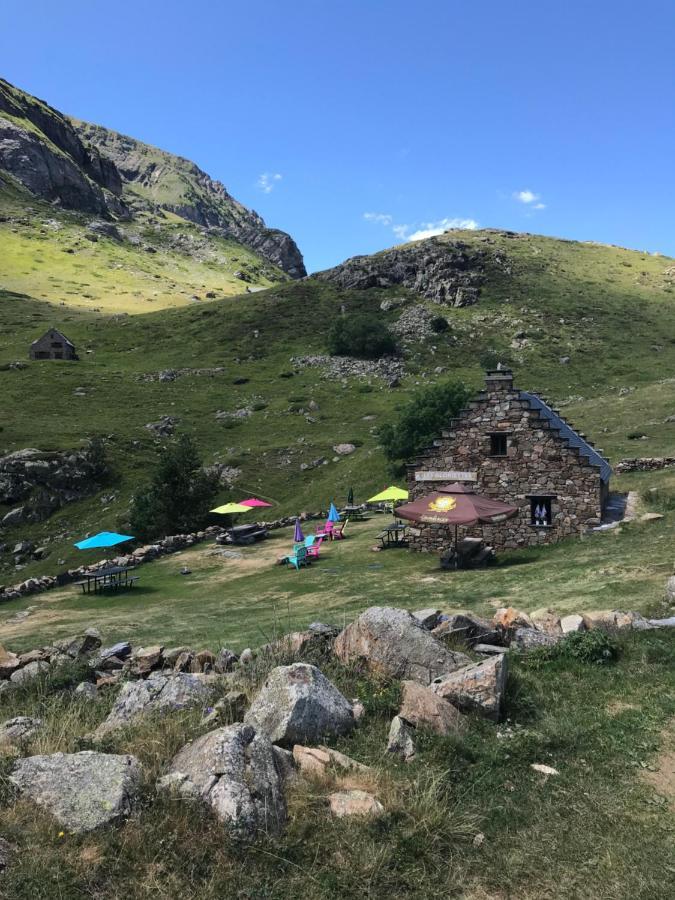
(93, 170)
(445, 269)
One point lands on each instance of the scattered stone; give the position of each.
(423, 708)
(86, 691)
(489, 649)
(529, 638)
(507, 618)
(572, 623)
(229, 709)
(19, 729)
(81, 645)
(358, 710)
(33, 670)
(232, 770)
(298, 705)
(120, 651)
(467, 627)
(546, 620)
(391, 642)
(354, 803)
(145, 659)
(9, 662)
(318, 760)
(401, 739)
(285, 763)
(156, 693)
(246, 657)
(650, 517)
(7, 851)
(670, 590)
(427, 618)
(81, 790)
(545, 770)
(477, 687)
(225, 661)
(478, 840)
(344, 449)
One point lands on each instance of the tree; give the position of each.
(422, 420)
(362, 335)
(179, 495)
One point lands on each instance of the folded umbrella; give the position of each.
(333, 514)
(298, 537)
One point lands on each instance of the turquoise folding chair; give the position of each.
(298, 557)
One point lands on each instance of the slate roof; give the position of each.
(568, 434)
(51, 333)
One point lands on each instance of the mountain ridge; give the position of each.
(91, 169)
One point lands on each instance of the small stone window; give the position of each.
(540, 511)
(498, 444)
(57, 345)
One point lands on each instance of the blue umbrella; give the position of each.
(333, 514)
(103, 539)
(298, 537)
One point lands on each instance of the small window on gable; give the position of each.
(498, 444)
(540, 511)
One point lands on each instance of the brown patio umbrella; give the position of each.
(456, 504)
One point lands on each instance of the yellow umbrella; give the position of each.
(389, 495)
(230, 508)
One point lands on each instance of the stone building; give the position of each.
(512, 446)
(52, 345)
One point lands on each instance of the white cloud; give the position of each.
(418, 231)
(431, 229)
(378, 218)
(267, 181)
(539, 206)
(525, 196)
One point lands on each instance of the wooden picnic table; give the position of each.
(113, 578)
(395, 535)
(356, 513)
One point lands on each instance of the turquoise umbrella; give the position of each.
(103, 539)
(333, 514)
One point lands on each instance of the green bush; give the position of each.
(422, 420)
(179, 496)
(439, 324)
(362, 335)
(594, 647)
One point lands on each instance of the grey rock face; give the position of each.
(299, 705)
(27, 673)
(234, 771)
(529, 638)
(444, 270)
(18, 729)
(81, 790)
(158, 692)
(81, 645)
(86, 690)
(391, 642)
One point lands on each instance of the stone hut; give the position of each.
(511, 445)
(52, 345)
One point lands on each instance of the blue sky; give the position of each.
(355, 125)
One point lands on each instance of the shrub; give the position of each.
(362, 335)
(438, 324)
(421, 420)
(594, 647)
(179, 496)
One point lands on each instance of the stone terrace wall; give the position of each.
(538, 462)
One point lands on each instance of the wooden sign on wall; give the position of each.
(445, 476)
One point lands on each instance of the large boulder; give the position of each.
(9, 662)
(81, 644)
(81, 790)
(299, 705)
(425, 709)
(392, 643)
(159, 692)
(232, 770)
(33, 670)
(477, 687)
(530, 638)
(571, 623)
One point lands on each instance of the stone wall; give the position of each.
(538, 463)
(645, 464)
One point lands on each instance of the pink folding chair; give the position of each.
(313, 549)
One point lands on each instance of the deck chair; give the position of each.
(338, 532)
(298, 557)
(315, 545)
(325, 530)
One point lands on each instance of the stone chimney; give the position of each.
(499, 381)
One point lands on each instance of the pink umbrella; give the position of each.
(253, 501)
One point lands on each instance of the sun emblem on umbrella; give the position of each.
(443, 504)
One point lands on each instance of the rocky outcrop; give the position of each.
(179, 186)
(445, 270)
(40, 149)
(38, 482)
(299, 705)
(391, 642)
(233, 771)
(81, 790)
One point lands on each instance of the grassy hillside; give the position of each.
(611, 311)
(161, 260)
